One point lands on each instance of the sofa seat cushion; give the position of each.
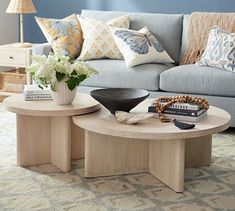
(195, 79)
(114, 73)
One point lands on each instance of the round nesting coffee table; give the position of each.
(45, 131)
(162, 149)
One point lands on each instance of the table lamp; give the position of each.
(21, 7)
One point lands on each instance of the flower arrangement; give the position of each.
(53, 69)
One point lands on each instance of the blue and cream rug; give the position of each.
(46, 188)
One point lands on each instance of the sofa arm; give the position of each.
(42, 49)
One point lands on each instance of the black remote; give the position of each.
(183, 125)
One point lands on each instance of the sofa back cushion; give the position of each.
(166, 27)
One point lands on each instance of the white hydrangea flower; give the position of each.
(48, 70)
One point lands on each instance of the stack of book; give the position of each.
(33, 92)
(183, 112)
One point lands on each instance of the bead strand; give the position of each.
(169, 101)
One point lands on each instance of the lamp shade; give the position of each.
(21, 7)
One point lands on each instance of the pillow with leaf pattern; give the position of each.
(220, 50)
(139, 47)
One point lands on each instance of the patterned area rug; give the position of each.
(46, 188)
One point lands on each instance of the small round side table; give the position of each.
(45, 131)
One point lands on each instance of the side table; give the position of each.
(11, 56)
(45, 131)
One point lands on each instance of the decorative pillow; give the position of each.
(220, 50)
(98, 41)
(65, 35)
(139, 47)
(45, 31)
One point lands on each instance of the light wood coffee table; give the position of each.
(112, 148)
(45, 131)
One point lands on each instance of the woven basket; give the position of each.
(13, 81)
(2, 97)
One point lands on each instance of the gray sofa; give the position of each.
(217, 85)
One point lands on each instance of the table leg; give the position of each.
(109, 155)
(61, 142)
(78, 142)
(198, 151)
(33, 140)
(166, 162)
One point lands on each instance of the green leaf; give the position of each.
(60, 76)
(81, 78)
(41, 87)
(74, 72)
(53, 87)
(71, 83)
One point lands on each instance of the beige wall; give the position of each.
(8, 24)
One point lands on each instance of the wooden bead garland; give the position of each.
(177, 99)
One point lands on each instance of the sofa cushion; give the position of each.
(166, 27)
(195, 79)
(114, 73)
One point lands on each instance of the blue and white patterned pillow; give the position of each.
(139, 47)
(220, 50)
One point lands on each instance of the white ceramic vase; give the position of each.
(63, 95)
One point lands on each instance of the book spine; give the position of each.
(186, 118)
(178, 111)
(184, 112)
(37, 97)
(42, 92)
(185, 106)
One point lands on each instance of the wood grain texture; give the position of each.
(61, 142)
(78, 142)
(45, 131)
(198, 151)
(170, 149)
(166, 162)
(82, 104)
(108, 155)
(103, 122)
(33, 140)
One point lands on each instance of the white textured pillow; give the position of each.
(98, 41)
(139, 47)
(220, 50)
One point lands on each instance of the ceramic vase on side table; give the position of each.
(62, 73)
(63, 95)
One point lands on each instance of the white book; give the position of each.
(34, 89)
(186, 118)
(186, 106)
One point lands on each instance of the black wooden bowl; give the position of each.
(119, 99)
